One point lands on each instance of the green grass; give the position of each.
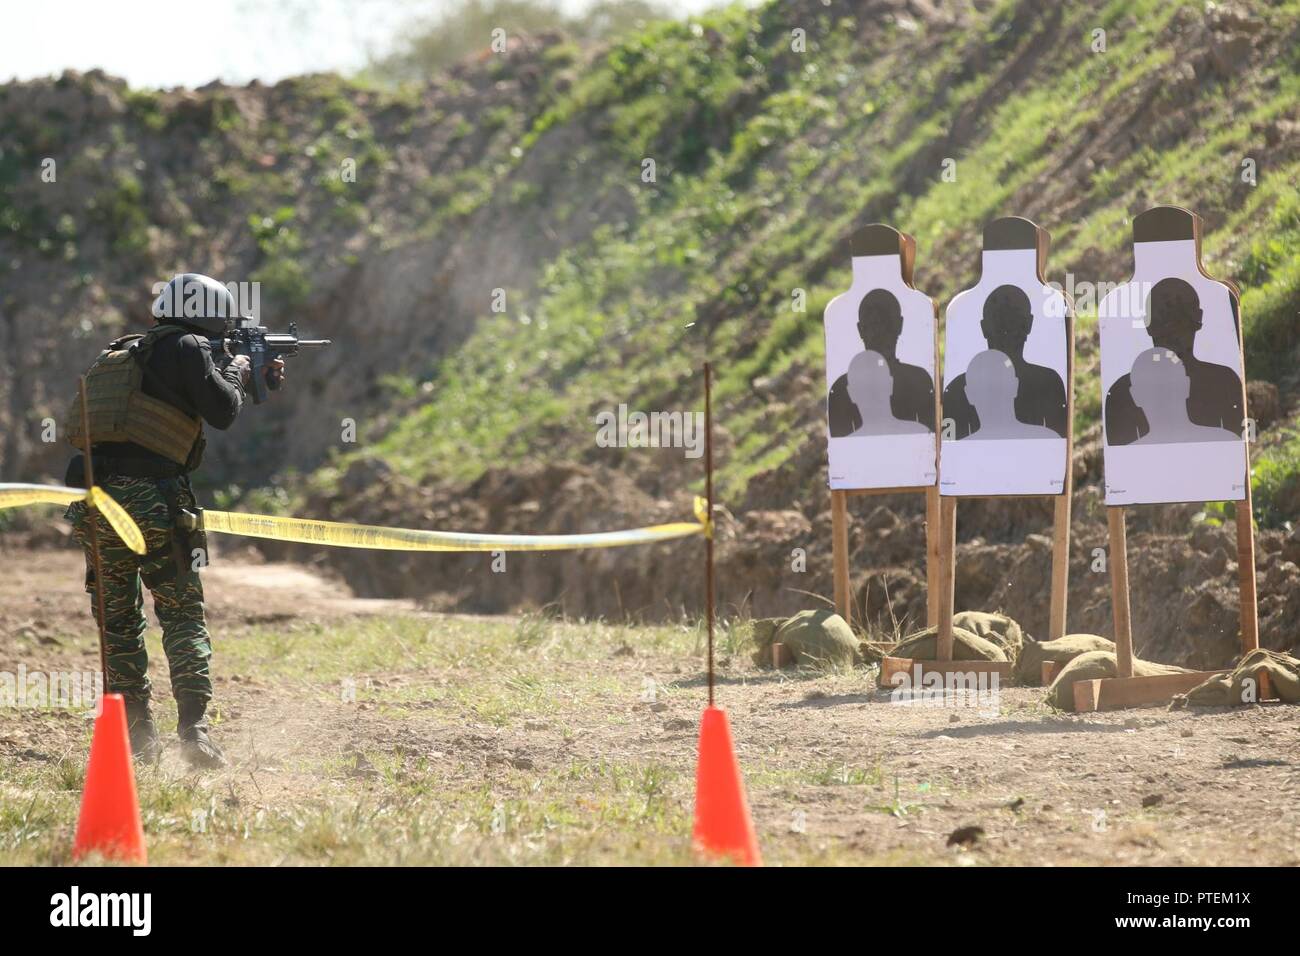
(1277, 480)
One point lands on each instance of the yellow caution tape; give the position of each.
(19, 495)
(343, 535)
(702, 515)
(116, 515)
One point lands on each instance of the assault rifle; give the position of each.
(263, 347)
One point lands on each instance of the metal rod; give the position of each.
(92, 519)
(708, 494)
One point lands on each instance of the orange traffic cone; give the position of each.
(722, 823)
(110, 813)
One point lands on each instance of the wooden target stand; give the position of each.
(1126, 689)
(1001, 234)
(875, 240)
(840, 546)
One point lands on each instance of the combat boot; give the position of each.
(196, 746)
(145, 744)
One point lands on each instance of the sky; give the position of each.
(166, 43)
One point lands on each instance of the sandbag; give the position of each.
(1033, 654)
(812, 637)
(998, 628)
(1095, 665)
(966, 646)
(1232, 689)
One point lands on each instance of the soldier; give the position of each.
(148, 396)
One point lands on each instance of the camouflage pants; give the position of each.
(177, 592)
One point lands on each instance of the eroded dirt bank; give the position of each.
(774, 559)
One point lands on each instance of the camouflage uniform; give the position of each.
(140, 412)
(172, 578)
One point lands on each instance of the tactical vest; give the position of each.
(120, 411)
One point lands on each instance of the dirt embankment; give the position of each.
(777, 560)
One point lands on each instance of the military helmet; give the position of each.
(196, 300)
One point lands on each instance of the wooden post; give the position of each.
(1061, 516)
(840, 554)
(934, 555)
(92, 520)
(1119, 605)
(947, 578)
(1247, 596)
(1060, 565)
(1246, 572)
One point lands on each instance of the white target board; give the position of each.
(880, 358)
(1173, 399)
(1006, 407)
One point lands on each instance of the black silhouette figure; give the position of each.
(1040, 394)
(880, 323)
(1174, 318)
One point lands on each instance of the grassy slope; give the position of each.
(759, 176)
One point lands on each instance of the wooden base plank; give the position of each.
(781, 656)
(1049, 671)
(1114, 693)
(890, 666)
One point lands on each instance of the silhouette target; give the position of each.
(880, 360)
(1174, 411)
(1005, 404)
(1174, 402)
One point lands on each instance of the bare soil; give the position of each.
(836, 771)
